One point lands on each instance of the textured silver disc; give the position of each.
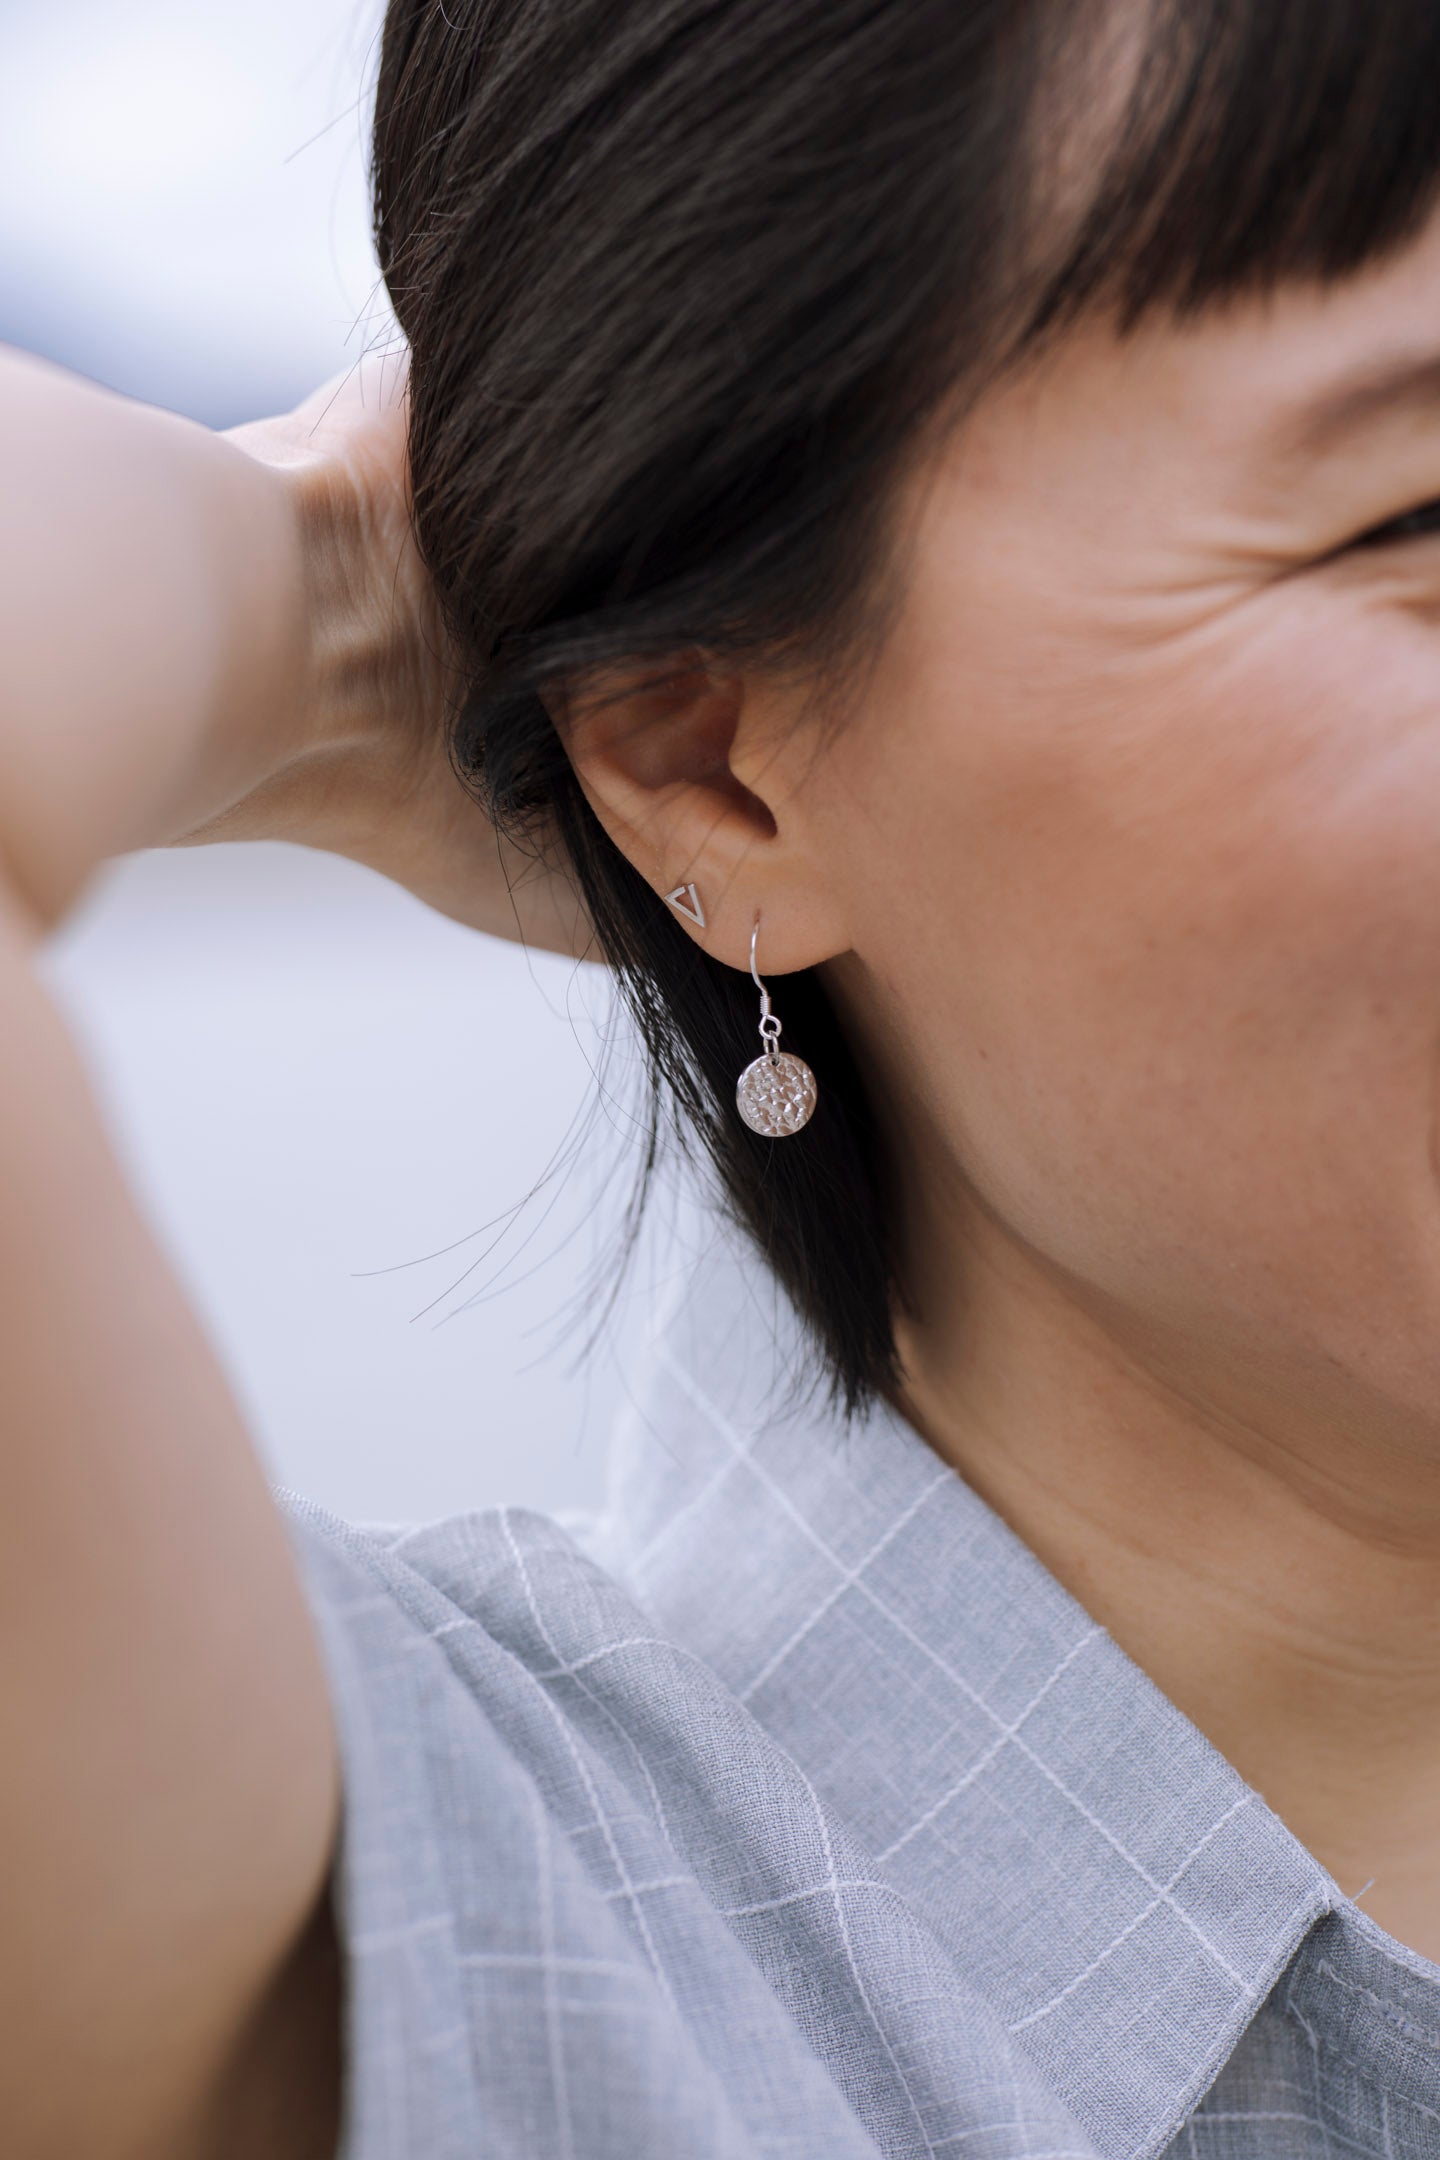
(776, 1096)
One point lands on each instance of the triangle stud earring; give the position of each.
(686, 901)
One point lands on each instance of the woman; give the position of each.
(934, 506)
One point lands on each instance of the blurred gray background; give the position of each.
(322, 1090)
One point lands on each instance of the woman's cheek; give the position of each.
(1175, 972)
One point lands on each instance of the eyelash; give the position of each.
(1417, 524)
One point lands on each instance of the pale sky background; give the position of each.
(310, 1076)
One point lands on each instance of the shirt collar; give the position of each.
(1110, 1883)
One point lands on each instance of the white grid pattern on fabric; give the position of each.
(822, 1826)
(853, 1578)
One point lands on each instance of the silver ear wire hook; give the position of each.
(776, 1094)
(769, 1025)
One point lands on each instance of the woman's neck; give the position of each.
(1276, 1573)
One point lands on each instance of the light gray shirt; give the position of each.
(793, 1809)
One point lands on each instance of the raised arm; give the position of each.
(178, 649)
(228, 638)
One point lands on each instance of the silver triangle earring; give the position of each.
(776, 1095)
(686, 901)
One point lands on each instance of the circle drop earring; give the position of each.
(776, 1095)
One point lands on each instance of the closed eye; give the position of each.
(1418, 524)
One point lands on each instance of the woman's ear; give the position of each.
(697, 776)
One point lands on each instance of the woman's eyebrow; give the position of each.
(1406, 383)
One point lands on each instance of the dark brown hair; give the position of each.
(683, 283)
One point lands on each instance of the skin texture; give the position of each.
(1124, 867)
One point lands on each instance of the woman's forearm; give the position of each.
(210, 637)
(154, 628)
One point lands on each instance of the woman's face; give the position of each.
(1137, 838)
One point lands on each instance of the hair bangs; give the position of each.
(1259, 143)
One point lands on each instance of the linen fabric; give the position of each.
(793, 1809)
